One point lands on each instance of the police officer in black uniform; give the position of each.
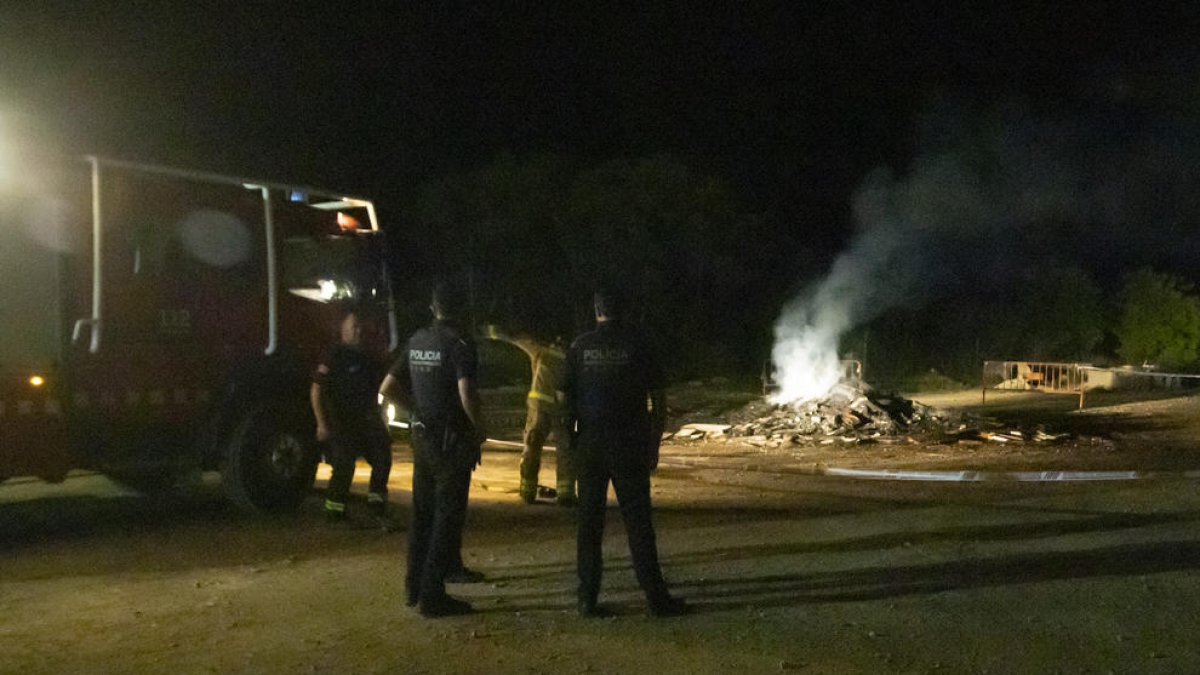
(345, 402)
(434, 380)
(611, 376)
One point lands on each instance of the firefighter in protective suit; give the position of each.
(435, 381)
(544, 417)
(612, 374)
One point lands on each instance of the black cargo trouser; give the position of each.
(441, 484)
(368, 438)
(631, 481)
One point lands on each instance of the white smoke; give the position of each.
(903, 225)
(871, 276)
(807, 358)
(990, 193)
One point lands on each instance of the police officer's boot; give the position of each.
(666, 605)
(443, 605)
(590, 610)
(464, 575)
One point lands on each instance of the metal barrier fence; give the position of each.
(1076, 379)
(1052, 378)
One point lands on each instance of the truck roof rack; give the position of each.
(340, 198)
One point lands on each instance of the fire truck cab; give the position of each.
(155, 321)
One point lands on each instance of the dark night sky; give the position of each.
(792, 102)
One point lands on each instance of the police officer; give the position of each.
(434, 380)
(344, 397)
(611, 376)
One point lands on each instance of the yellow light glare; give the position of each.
(37, 380)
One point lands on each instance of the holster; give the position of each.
(445, 445)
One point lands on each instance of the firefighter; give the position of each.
(345, 402)
(612, 374)
(435, 381)
(543, 417)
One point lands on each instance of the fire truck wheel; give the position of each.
(271, 460)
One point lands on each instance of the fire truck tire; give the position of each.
(270, 460)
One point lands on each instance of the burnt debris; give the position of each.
(854, 413)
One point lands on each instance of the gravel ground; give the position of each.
(787, 571)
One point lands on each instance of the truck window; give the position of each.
(333, 268)
(203, 241)
(184, 261)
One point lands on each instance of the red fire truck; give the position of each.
(155, 321)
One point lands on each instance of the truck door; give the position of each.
(182, 300)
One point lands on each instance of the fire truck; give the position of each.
(155, 321)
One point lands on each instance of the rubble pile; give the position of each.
(852, 412)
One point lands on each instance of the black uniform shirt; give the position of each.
(433, 362)
(610, 373)
(350, 384)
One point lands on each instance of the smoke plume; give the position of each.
(983, 197)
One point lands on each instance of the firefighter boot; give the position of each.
(565, 496)
(377, 505)
(529, 490)
(335, 512)
(531, 464)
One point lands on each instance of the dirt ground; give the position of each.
(788, 571)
